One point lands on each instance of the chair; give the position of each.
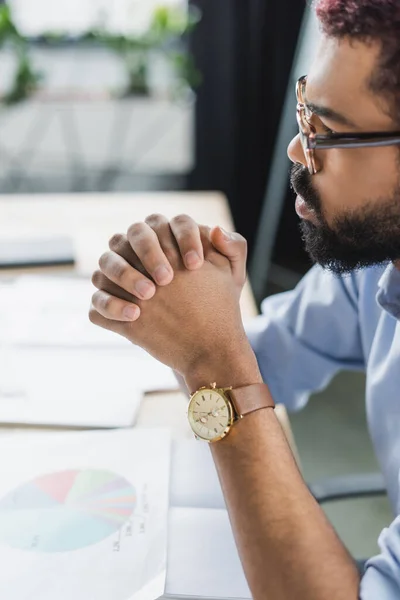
(346, 487)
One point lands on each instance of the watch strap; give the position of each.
(250, 398)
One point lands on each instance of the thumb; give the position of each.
(234, 247)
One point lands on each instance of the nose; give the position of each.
(295, 151)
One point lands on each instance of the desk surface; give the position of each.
(91, 219)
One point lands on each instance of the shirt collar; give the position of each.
(388, 296)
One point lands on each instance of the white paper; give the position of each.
(68, 387)
(53, 312)
(194, 479)
(84, 516)
(203, 561)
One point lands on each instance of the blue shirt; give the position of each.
(327, 324)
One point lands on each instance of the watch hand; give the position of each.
(214, 413)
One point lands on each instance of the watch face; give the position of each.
(210, 415)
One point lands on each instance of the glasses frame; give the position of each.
(311, 140)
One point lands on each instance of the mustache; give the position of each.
(300, 182)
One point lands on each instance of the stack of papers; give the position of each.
(57, 368)
(114, 516)
(203, 560)
(84, 515)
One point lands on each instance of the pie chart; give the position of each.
(66, 510)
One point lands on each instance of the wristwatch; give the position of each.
(213, 411)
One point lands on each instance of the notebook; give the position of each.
(202, 559)
(36, 252)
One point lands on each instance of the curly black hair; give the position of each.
(369, 21)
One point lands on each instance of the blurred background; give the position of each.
(128, 95)
(176, 95)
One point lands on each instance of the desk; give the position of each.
(91, 219)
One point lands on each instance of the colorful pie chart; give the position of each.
(65, 511)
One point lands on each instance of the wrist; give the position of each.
(234, 369)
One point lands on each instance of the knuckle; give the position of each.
(181, 219)
(148, 254)
(186, 239)
(102, 301)
(116, 241)
(104, 260)
(118, 270)
(136, 229)
(98, 279)
(112, 266)
(106, 302)
(187, 233)
(155, 219)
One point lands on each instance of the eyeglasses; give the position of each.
(311, 140)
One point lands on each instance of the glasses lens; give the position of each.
(304, 126)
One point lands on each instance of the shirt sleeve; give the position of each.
(382, 576)
(305, 336)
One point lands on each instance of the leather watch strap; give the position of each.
(250, 398)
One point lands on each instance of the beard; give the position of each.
(357, 239)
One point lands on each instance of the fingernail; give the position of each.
(192, 259)
(130, 313)
(227, 236)
(144, 289)
(162, 274)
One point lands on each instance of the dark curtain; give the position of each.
(244, 49)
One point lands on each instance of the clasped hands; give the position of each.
(173, 288)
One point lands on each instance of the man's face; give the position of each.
(350, 209)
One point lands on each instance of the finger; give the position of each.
(97, 319)
(101, 282)
(160, 225)
(210, 252)
(119, 243)
(113, 308)
(145, 244)
(118, 270)
(234, 247)
(205, 239)
(187, 235)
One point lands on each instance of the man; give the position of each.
(346, 174)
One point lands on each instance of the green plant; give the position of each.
(165, 36)
(26, 78)
(170, 24)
